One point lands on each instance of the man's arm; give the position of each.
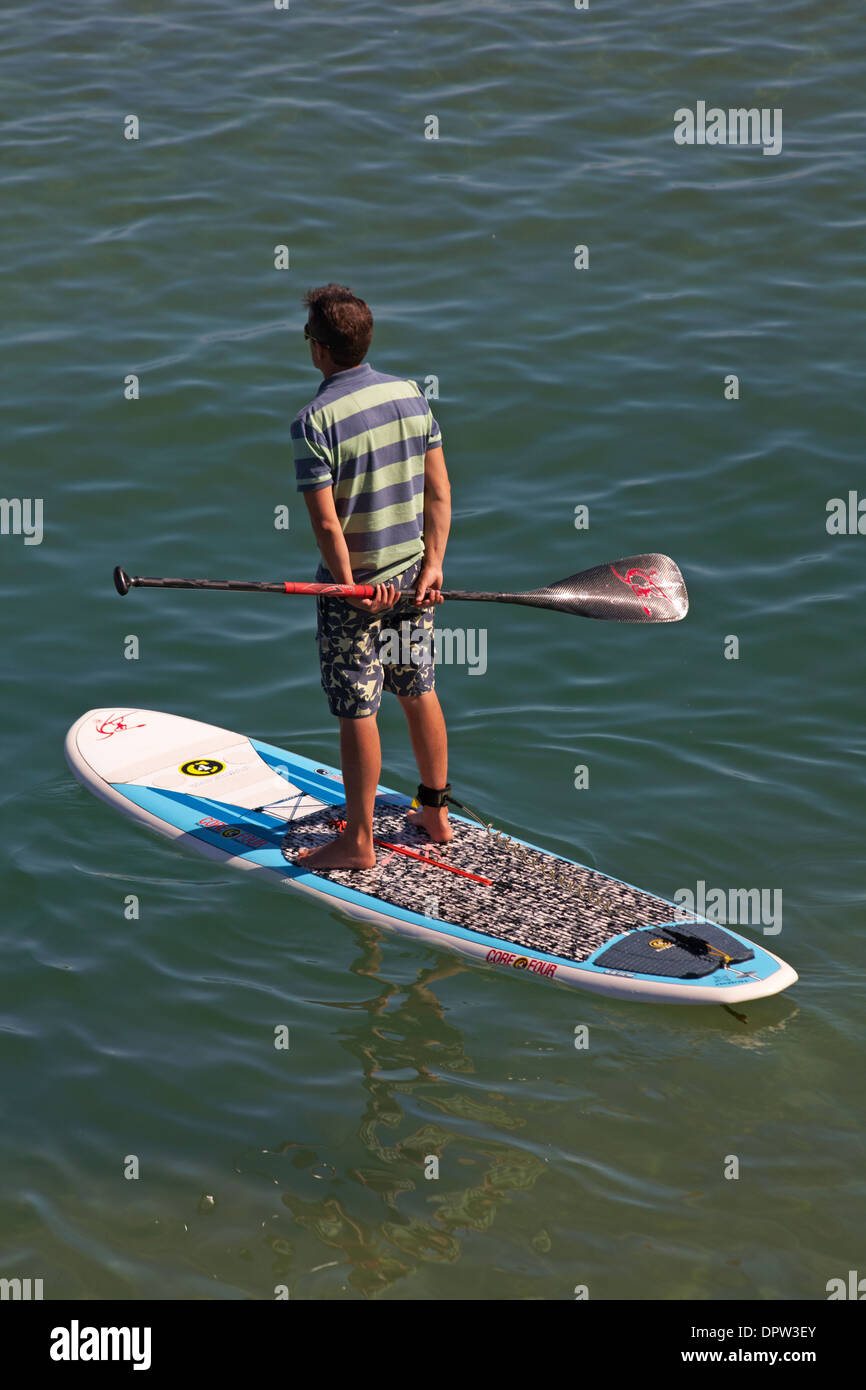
(335, 552)
(329, 533)
(437, 524)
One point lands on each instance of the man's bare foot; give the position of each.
(433, 819)
(341, 853)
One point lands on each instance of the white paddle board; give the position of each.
(504, 903)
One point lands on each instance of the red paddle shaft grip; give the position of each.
(334, 590)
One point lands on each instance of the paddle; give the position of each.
(640, 589)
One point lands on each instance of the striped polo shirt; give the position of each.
(365, 434)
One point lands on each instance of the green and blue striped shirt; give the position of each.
(365, 434)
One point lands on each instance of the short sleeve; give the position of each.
(434, 434)
(313, 467)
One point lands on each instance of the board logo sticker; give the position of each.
(233, 832)
(201, 767)
(115, 724)
(538, 967)
(659, 944)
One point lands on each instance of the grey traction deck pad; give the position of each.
(524, 906)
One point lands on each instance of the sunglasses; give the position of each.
(308, 336)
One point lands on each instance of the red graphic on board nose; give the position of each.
(642, 583)
(115, 724)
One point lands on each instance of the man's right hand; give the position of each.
(386, 596)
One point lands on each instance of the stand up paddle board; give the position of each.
(498, 900)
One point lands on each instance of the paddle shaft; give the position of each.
(643, 588)
(315, 590)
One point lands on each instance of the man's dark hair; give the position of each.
(341, 322)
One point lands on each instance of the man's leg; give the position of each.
(361, 758)
(430, 746)
(352, 681)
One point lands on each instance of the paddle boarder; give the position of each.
(370, 465)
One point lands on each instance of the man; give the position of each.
(369, 462)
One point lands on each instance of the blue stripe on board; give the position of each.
(304, 772)
(185, 809)
(300, 772)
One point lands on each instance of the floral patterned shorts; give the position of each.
(363, 653)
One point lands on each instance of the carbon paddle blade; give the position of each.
(640, 589)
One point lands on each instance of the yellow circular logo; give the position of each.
(201, 767)
(659, 944)
(521, 963)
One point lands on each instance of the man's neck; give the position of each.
(334, 369)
